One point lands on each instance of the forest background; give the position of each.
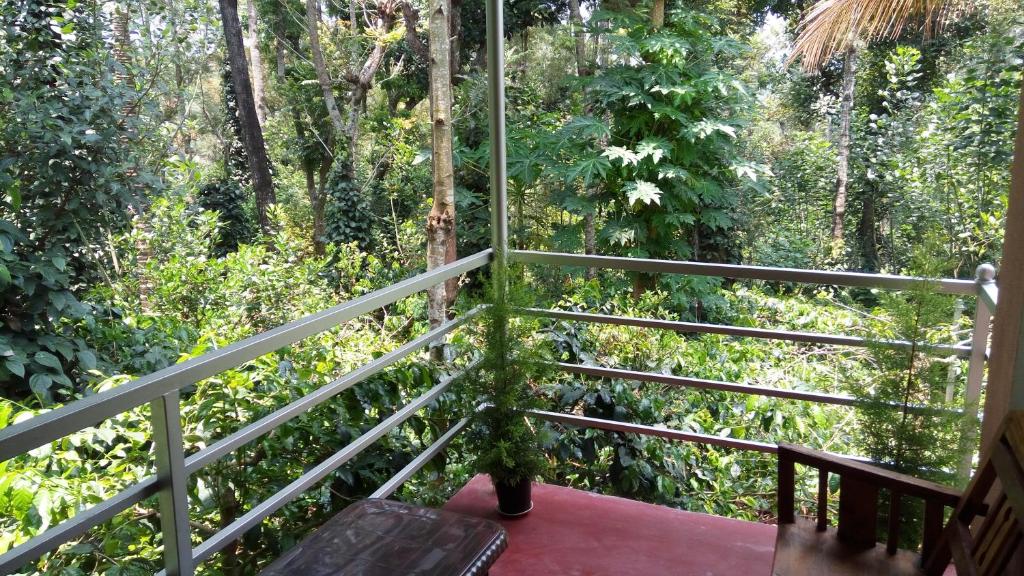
(179, 175)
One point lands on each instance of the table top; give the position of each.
(377, 537)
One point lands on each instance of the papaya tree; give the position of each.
(670, 169)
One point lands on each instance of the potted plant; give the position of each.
(504, 442)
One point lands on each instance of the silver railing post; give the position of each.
(984, 276)
(953, 373)
(496, 118)
(171, 476)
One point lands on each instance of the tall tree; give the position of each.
(256, 63)
(843, 149)
(252, 134)
(441, 220)
(322, 77)
(830, 27)
(362, 80)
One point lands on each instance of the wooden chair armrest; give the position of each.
(894, 481)
(859, 484)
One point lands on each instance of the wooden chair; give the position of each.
(987, 547)
(806, 547)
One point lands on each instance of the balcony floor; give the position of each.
(576, 533)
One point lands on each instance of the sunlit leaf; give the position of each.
(643, 191)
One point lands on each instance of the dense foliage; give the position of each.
(69, 172)
(129, 242)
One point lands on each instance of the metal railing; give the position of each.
(161, 389)
(173, 468)
(983, 287)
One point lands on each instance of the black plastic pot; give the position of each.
(513, 499)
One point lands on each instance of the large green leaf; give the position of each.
(589, 169)
(653, 148)
(624, 155)
(40, 383)
(643, 191)
(587, 127)
(15, 365)
(47, 359)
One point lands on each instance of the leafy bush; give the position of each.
(69, 169)
(231, 204)
(347, 215)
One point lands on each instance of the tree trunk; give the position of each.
(577, 31)
(361, 87)
(441, 220)
(313, 24)
(256, 63)
(252, 135)
(868, 230)
(279, 53)
(843, 150)
(412, 20)
(455, 34)
(658, 14)
(319, 205)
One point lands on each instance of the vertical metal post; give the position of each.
(170, 471)
(496, 117)
(985, 274)
(953, 373)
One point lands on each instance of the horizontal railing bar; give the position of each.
(890, 282)
(744, 332)
(642, 429)
(669, 433)
(264, 425)
(81, 523)
(989, 292)
(388, 488)
(45, 428)
(684, 381)
(259, 512)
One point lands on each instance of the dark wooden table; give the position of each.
(386, 538)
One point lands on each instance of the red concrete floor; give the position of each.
(576, 533)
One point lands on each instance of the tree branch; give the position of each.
(412, 19)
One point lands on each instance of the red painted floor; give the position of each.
(576, 533)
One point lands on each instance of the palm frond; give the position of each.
(831, 26)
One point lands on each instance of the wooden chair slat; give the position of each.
(960, 547)
(822, 499)
(1010, 474)
(893, 540)
(787, 485)
(997, 552)
(858, 513)
(985, 534)
(997, 537)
